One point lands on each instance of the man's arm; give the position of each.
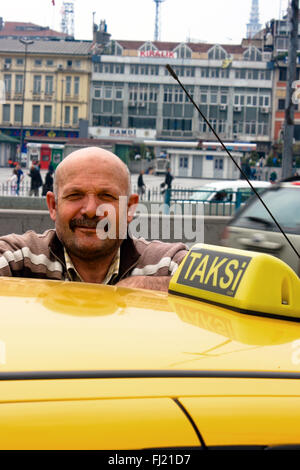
(160, 283)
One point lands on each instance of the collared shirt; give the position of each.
(74, 276)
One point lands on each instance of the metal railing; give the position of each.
(223, 203)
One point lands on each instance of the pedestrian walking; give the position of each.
(20, 177)
(12, 182)
(48, 185)
(141, 185)
(36, 180)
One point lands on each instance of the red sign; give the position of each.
(162, 54)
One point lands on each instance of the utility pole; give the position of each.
(288, 133)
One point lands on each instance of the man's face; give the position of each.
(82, 191)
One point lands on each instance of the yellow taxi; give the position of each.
(213, 364)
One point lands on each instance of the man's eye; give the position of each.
(73, 196)
(107, 196)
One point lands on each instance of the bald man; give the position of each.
(91, 206)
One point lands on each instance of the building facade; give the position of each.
(132, 89)
(46, 88)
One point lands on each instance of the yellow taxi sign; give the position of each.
(246, 281)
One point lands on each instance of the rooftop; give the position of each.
(14, 28)
(47, 47)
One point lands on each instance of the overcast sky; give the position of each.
(219, 21)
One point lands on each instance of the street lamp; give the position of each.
(26, 43)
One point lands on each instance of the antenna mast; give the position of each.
(157, 20)
(67, 19)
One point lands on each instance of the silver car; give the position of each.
(253, 229)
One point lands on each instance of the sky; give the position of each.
(212, 21)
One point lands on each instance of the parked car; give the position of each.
(219, 197)
(226, 191)
(213, 364)
(252, 228)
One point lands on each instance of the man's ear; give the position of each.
(131, 206)
(51, 203)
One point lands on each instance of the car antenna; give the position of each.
(171, 71)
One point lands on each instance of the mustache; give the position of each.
(84, 222)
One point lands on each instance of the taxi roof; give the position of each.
(63, 326)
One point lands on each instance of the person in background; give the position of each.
(20, 177)
(36, 180)
(169, 178)
(141, 185)
(48, 185)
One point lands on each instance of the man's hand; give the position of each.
(160, 283)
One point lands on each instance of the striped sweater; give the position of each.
(42, 256)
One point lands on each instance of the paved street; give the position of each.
(151, 181)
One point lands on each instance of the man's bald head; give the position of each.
(92, 157)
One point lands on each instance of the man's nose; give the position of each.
(90, 205)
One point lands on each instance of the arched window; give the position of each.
(183, 52)
(148, 46)
(217, 53)
(116, 49)
(252, 54)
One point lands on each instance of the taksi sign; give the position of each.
(160, 54)
(213, 271)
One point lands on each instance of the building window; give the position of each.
(183, 162)
(97, 92)
(68, 85)
(67, 114)
(19, 84)
(213, 98)
(117, 49)
(77, 64)
(75, 115)
(252, 54)
(240, 73)
(37, 84)
(49, 85)
(35, 114)
(49, 63)
(282, 74)
(47, 114)
(217, 53)
(107, 93)
(281, 104)
(148, 46)
(76, 86)
(7, 60)
(7, 83)
(69, 63)
(19, 61)
(177, 124)
(6, 113)
(119, 94)
(18, 112)
(183, 52)
(37, 62)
